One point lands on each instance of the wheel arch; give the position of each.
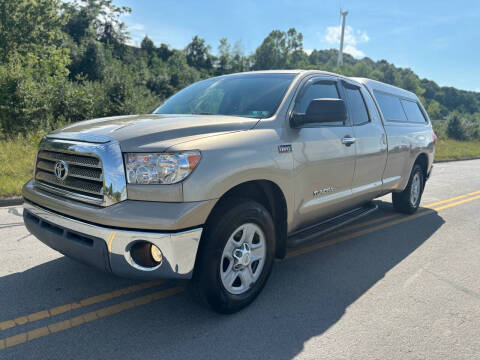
(267, 193)
(422, 160)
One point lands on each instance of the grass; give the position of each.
(453, 149)
(16, 163)
(17, 157)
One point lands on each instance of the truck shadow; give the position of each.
(304, 297)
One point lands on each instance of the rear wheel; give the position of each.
(408, 200)
(236, 256)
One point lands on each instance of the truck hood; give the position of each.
(152, 132)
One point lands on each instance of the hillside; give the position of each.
(70, 61)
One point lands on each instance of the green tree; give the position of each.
(32, 64)
(147, 45)
(272, 53)
(164, 52)
(96, 19)
(28, 86)
(29, 26)
(434, 110)
(181, 73)
(361, 69)
(93, 62)
(224, 58)
(158, 78)
(198, 54)
(79, 22)
(296, 57)
(239, 60)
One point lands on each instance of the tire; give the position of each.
(222, 281)
(406, 201)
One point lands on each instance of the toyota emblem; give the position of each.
(61, 170)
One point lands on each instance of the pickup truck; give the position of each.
(226, 175)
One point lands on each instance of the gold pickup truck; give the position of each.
(227, 174)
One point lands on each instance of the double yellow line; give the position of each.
(44, 314)
(142, 300)
(395, 219)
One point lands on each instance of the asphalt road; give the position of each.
(387, 287)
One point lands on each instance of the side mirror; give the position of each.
(322, 111)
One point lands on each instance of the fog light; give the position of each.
(156, 254)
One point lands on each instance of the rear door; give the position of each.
(370, 140)
(324, 164)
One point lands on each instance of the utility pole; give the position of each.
(343, 14)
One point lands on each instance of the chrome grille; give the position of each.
(83, 182)
(96, 173)
(89, 161)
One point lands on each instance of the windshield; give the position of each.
(249, 95)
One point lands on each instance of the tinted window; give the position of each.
(391, 107)
(356, 105)
(372, 108)
(316, 91)
(414, 114)
(250, 95)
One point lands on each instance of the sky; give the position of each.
(439, 40)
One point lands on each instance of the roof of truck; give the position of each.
(369, 83)
(390, 89)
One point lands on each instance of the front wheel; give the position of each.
(408, 200)
(236, 256)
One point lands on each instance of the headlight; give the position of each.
(160, 168)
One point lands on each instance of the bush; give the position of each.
(440, 129)
(28, 88)
(456, 128)
(472, 129)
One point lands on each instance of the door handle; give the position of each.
(348, 140)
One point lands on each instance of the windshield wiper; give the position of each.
(203, 113)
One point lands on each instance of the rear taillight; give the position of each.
(434, 137)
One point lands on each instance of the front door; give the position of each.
(324, 160)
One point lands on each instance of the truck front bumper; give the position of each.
(109, 248)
